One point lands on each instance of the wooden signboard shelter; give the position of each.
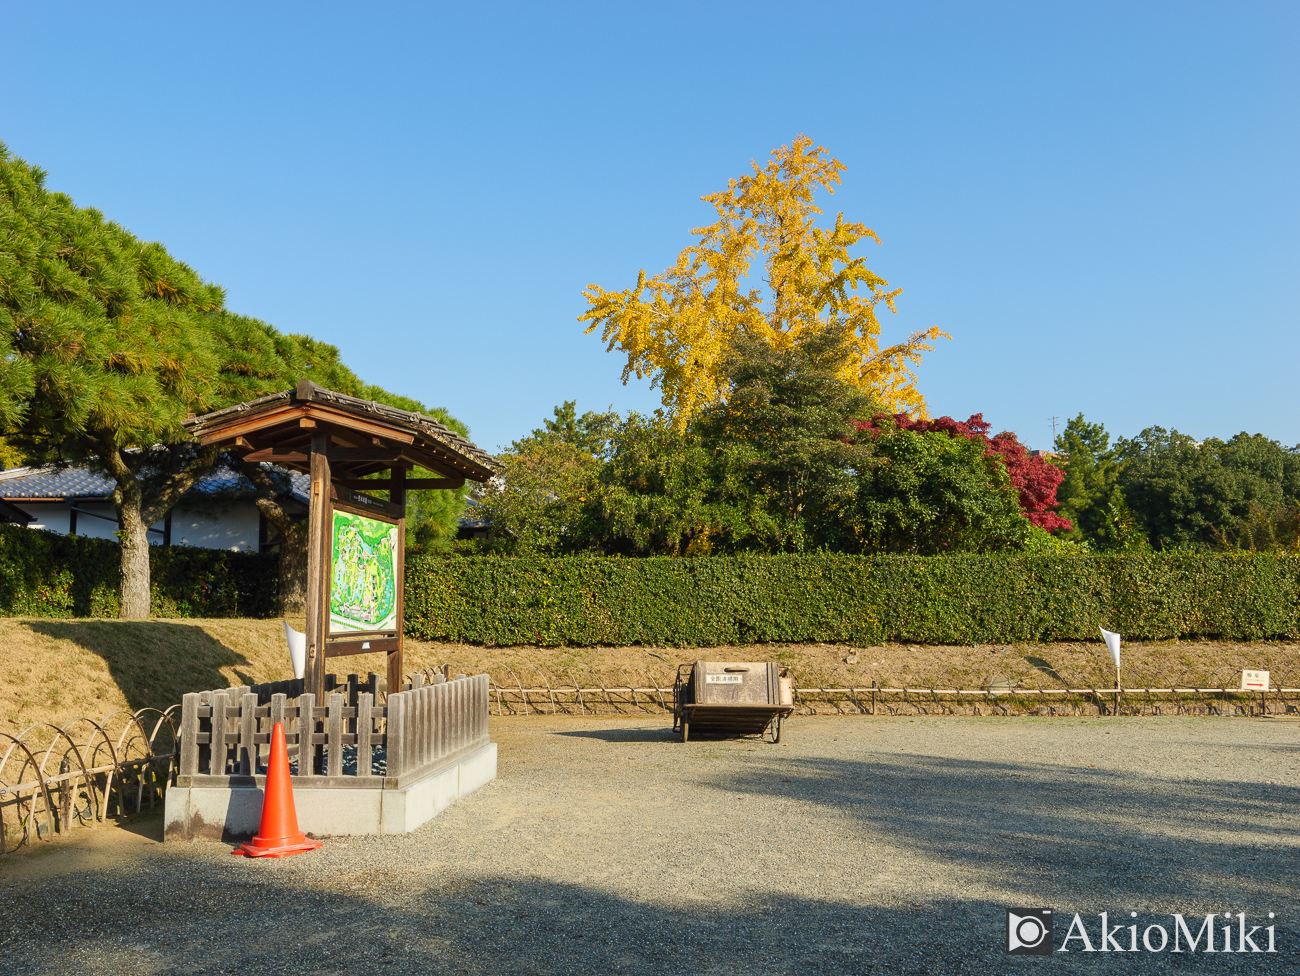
(339, 441)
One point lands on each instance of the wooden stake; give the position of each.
(318, 559)
(397, 495)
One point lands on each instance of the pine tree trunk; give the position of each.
(293, 543)
(134, 594)
(293, 572)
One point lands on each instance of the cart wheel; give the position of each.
(776, 731)
(686, 730)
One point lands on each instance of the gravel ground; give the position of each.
(857, 845)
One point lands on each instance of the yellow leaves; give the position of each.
(677, 326)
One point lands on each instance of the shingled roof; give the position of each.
(276, 418)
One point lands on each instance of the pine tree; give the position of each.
(108, 343)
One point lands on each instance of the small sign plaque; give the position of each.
(723, 679)
(1254, 681)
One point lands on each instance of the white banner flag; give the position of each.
(1112, 642)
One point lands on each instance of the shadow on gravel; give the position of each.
(1147, 844)
(664, 734)
(260, 918)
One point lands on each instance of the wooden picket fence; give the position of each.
(349, 741)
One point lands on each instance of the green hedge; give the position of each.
(859, 600)
(712, 601)
(43, 574)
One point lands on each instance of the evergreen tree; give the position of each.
(930, 493)
(786, 432)
(1188, 493)
(1090, 495)
(108, 349)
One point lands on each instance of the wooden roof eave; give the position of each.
(284, 425)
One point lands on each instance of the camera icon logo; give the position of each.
(1029, 932)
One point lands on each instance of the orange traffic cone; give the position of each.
(278, 835)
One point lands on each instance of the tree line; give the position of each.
(1165, 490)
(788, 425)
(795, 459)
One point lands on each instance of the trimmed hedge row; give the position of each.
(43, 574)
(860, 600)
(711, 601)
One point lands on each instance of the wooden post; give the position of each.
(318, 566)
(217, 737)
(246, 755)
(66, 787)
(306, 727)
(394, 740)
(365, 723)
(334, 727)
(277, 711)
(397, 495)
(189, 762)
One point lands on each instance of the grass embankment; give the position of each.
(57, 670)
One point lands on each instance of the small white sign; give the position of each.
(1254, 681)
(723, 679)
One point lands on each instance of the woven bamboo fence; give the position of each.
(53, 778)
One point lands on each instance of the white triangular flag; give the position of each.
(1112, 642)
(297, 649)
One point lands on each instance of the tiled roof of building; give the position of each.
(60, 483)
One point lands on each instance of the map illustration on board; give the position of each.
(363, 585)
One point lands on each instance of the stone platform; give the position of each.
(232, 813)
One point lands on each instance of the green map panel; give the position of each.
(363, 587)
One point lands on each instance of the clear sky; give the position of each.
(1098, 201)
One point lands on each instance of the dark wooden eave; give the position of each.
(365, 438)
(14, 514)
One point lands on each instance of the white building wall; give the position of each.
(232, 525)
(98, 520)
(51, 516)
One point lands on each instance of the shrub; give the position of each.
(43, 574)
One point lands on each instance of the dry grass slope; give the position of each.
(56, 670)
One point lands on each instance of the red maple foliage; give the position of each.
(1034, 479)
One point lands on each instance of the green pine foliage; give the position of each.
(109, 343)
(105, 336)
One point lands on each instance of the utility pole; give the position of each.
(1054, 420)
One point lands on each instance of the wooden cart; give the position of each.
(731, 699)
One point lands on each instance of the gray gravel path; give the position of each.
(858, 845)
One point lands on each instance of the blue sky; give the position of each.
(1098, 201)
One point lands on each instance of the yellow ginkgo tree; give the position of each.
(678, 327)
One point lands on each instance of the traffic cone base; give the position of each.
(278, 835)
(262, 847)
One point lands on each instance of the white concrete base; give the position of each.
(203, 813)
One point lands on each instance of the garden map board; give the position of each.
(364, 575)
(355, 540)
